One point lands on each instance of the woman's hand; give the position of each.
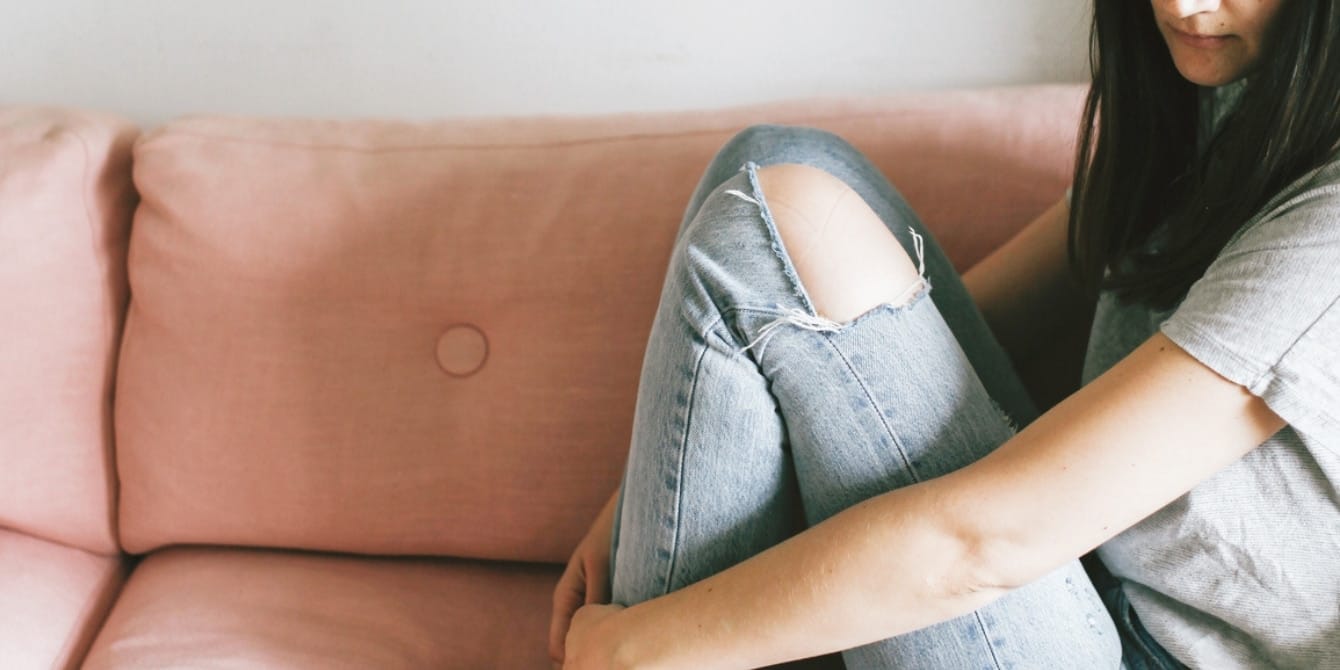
(585, 581)
(589, 646)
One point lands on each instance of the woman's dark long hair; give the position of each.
(1138, 165)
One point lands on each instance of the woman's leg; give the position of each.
(770, 145)
(743, 386)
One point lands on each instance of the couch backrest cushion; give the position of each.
(425, 338)
(65, 208)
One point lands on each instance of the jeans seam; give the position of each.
(888, 429)
(902, 453)
(679, 469)
(986, 637)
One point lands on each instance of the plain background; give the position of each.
(152, 60)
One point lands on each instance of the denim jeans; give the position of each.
(751, 423)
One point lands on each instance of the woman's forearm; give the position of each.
(838, 585)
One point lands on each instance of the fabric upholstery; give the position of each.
(268, 609)
(65, 209)
(425, 337)
(53, 599)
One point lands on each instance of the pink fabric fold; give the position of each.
(54, 600)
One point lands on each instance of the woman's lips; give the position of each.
(1200, 41)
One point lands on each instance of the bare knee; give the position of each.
(848, 260)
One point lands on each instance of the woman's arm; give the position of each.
(1124, 446)
(1034, 308)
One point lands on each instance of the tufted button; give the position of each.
(462, 350)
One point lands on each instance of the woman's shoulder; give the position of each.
(1307, 211)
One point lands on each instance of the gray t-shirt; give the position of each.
(1244, 570)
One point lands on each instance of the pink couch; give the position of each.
(344, 394)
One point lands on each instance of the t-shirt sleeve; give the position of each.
(1266, 314)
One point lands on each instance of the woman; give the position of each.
(805, 370)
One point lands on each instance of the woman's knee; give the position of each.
(847, 259)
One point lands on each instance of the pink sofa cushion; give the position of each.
(53, 600)
(65, 206)
(265, 609)
(425, 338)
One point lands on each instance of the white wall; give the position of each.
(154, 59)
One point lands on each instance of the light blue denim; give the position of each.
(736, 447)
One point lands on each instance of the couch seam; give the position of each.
(168, 131)
(108, 589)
(112, 336)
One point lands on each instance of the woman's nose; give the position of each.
(1185, 8)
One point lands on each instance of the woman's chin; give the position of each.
(1206, 70)
(1209, 76)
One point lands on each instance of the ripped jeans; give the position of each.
(755, 417)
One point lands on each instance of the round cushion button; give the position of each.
(462, 350)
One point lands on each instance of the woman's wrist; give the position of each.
(635, 640)
(628, 648)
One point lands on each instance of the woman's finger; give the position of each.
(568, 596)
(597, 582)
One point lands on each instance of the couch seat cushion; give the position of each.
(238, 608)
(53, 599)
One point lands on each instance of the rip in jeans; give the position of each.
(811, 320)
